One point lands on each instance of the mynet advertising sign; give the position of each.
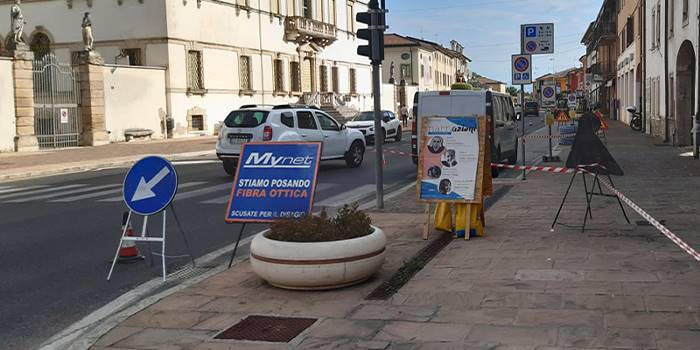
(274, 180)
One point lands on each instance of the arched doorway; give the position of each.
(685, 94)
(40, 45)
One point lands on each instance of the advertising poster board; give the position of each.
(451, 162)
(274, 180)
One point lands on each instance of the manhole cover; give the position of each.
(267, 328)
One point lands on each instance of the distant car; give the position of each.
(364, 122)
(287, 123)
(531, 109)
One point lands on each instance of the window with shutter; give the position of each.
(245, 73)
(295, 76)
(195, 82)
(353, 81)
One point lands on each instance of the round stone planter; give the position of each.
(317, 265)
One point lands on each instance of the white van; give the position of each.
(498, 107)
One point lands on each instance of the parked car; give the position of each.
(287, 123)
(496, 106)
(364, 122)
(532, 108)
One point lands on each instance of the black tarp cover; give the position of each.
(588, 149)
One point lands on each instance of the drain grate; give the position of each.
(423, 257)
(267, 328)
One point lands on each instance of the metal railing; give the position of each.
(302, 29)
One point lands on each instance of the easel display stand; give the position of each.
(468, 213)
(595, 172)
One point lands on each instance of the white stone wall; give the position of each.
(134, 98)
(655, 106)
(7, 107)
(627, 92)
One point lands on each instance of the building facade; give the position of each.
(672, 93)
(424, 64)
(600, 40)
(218, 54)
(629, 62)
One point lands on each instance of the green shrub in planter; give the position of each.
(350, 222)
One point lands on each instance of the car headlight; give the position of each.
(371, 129)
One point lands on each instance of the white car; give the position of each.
(364, 121)
(287, 123)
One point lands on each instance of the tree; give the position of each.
(512, 90)
(462, 86)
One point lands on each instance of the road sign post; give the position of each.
(149, 188)
(522, 74)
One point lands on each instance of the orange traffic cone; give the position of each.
(128, 252)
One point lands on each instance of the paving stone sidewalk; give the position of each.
(24, 165)
(615, 286)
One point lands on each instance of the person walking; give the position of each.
(403, 111)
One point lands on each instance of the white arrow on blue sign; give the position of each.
(150, 185)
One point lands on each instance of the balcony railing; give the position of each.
(303, 30)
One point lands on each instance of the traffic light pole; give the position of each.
(378, 134)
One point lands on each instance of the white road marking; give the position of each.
(86, 196)
(50, 189)
(17, 189)
(347, 197)
(191, 162)
(59, 194)
(179, 187)
(201, 191)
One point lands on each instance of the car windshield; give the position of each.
(531, 104)
(246, 119)
(363, 117)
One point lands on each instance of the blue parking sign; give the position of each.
(531, 32)
(274, 180)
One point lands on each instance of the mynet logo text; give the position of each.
(268, 160)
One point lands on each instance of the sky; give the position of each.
(490, 29)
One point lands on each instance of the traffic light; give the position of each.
(375, 19)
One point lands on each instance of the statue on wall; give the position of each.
(88, 39)
(17, 23)
(392, 70)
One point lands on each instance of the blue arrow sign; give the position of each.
(150, 185)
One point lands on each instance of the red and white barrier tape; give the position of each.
(548, 137)
(670, 235)
(549, 169)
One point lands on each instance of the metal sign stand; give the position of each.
(145, 238)
(233, 254)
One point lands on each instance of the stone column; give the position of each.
(92, 100)
(25, 139)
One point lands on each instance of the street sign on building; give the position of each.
(521, 69)
(274, 180)
(537, 39)
(150, 185)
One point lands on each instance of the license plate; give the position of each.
(237, 139)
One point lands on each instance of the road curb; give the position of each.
(62, 169)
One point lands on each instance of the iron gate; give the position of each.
(56, 99)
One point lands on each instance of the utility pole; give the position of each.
(375, 18)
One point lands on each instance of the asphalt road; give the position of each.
(59, 235)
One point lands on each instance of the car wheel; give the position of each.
(230, 167)
(397, 137)
(385, 135)
(354, 156)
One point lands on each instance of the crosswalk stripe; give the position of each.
(17, 189)
(202, 191)
(59, 194)
(224, 199)
(50, 189)
(86, 196)
(347, 197)
(120, 198)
